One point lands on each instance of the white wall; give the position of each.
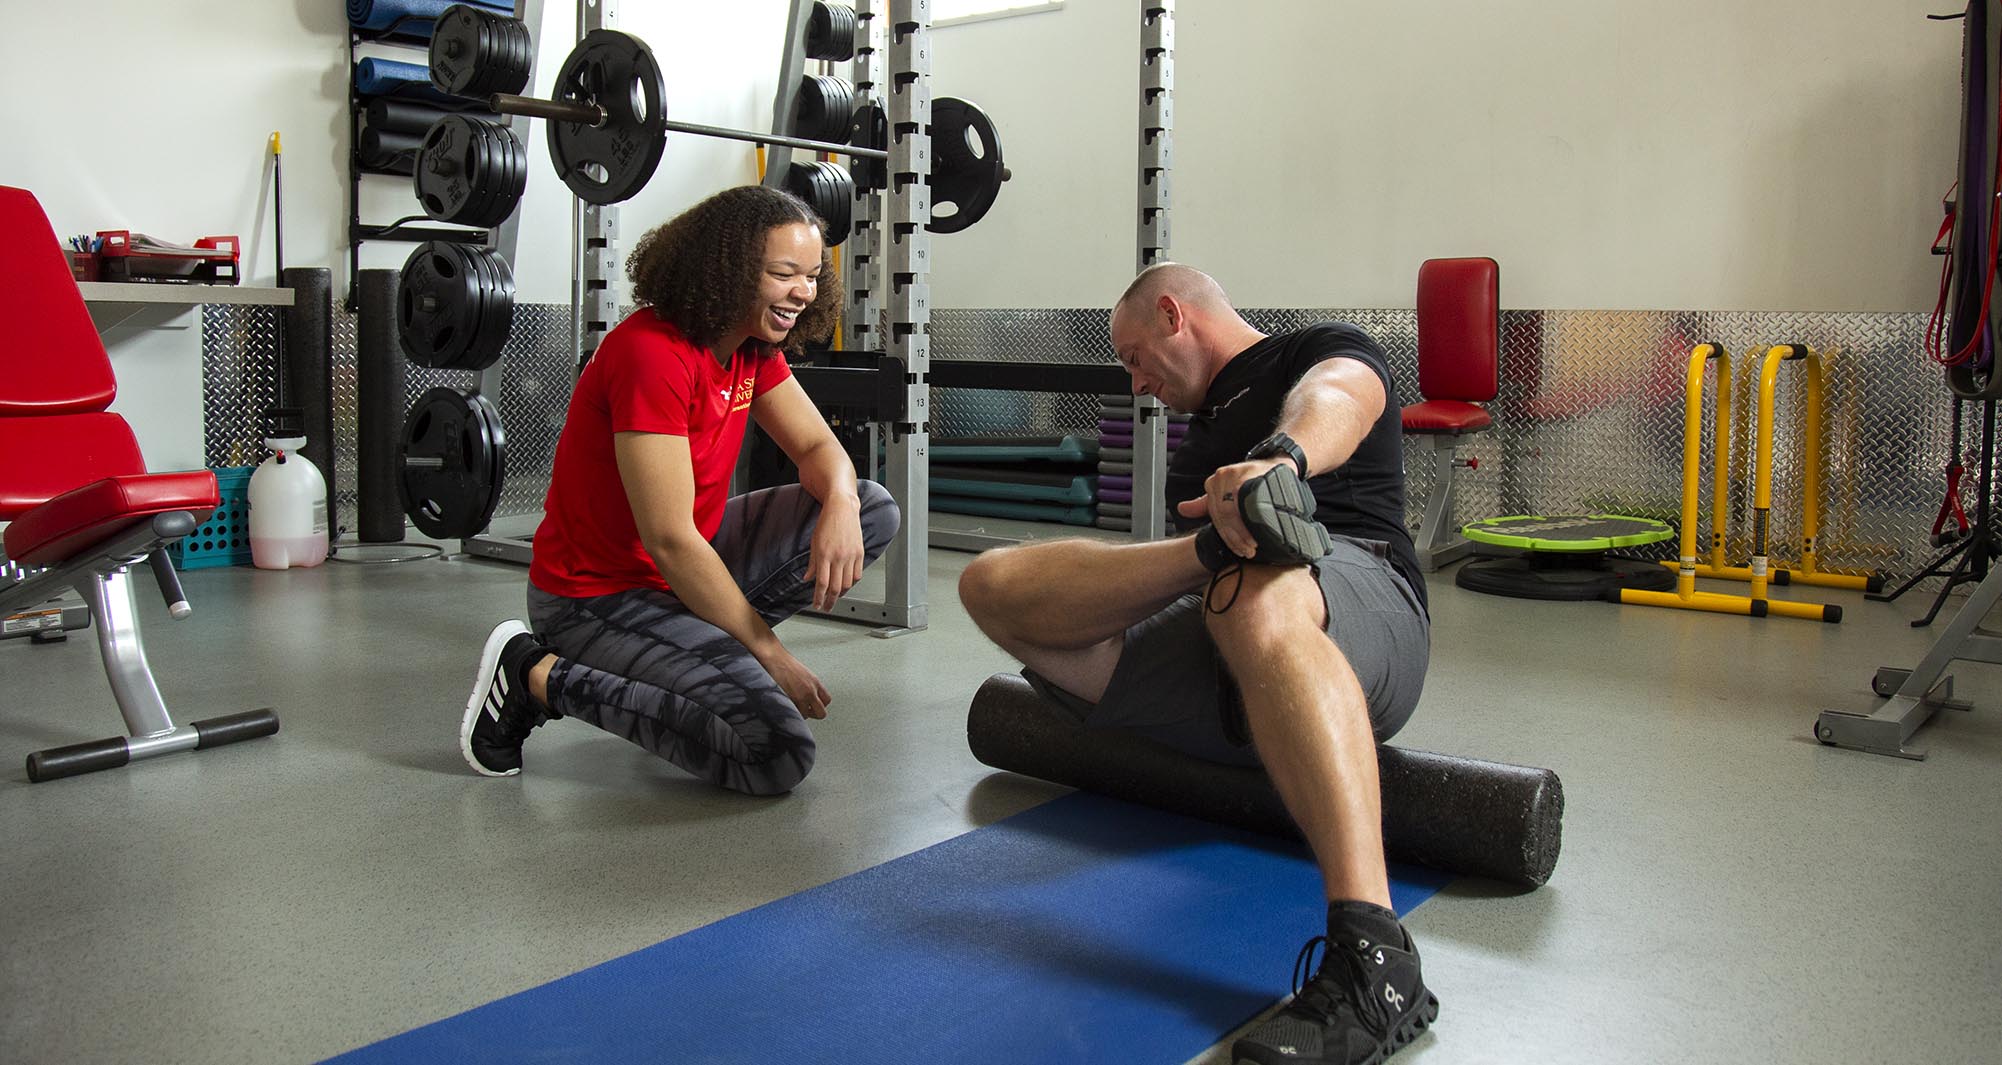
(1706, 154)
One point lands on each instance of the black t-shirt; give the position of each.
(1364, 497)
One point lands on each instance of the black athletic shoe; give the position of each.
(500, 713)
(1367, 1001)
(1278, 511)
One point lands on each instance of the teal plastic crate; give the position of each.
(224, 539)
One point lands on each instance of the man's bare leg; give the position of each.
(1063, 606)
(1310, 724)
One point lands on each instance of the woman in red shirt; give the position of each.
(653, 592)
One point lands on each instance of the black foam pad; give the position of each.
(1460, 815)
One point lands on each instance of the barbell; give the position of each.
(607, 127)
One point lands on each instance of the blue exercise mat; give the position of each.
(418, 14)
(1083, 930)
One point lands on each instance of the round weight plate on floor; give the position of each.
(609, 163)
(447, 465)
(1559, 576)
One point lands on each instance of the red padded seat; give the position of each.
(83, 517)
(1445, 416)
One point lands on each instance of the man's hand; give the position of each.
(1219, 503)
(798, 682)
(835, 562)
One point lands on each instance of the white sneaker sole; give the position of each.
(482, 681)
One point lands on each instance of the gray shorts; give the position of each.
(1171, 684)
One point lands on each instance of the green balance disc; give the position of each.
(1564, 556)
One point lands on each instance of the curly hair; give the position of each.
(700, 270)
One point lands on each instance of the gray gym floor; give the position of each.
(1729, 890)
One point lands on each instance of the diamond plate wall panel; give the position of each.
(1589, 414)
(239, 348)
(1040, 335)
(239, 381)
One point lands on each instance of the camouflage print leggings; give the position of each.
(640, 665)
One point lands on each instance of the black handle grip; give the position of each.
(170, 584)
(77, 758)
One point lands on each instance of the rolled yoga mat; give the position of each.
(417, 15)
(1460, 815)
(390, 77)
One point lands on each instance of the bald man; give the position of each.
(1289, 631)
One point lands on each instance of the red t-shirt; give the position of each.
(645, 377)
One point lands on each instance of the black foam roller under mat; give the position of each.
(1460, 815)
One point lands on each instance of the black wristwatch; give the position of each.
(1279, 444)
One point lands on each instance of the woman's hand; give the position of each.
(798, 682)
(835, 562)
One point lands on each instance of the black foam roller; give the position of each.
(409, 116)
(1460, 815)
(309, 363)
(379, 371)
(390, 150)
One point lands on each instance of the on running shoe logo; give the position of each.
(1391, 996)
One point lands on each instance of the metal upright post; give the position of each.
(792, 65)
(1157, 160)
(865, 242)
(907, 273)
(503, 239)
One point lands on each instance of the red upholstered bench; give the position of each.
(81, 508)
(1459, 342)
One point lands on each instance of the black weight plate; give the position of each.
(497, 450)
(830, 35)
(447, 460)
(966, 164)
(523, 50)
(457, 53)
(840, 200)
(440, 180)
(609, 163)
(869, 127)
(504, 192)
(822, 109)
(437, 305)
(483, 174)
(496, 310)
(471, 351)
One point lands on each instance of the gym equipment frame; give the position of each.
(1685, 596)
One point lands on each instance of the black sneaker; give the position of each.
(1367, 1001)
(500, 713)
(1278, 510)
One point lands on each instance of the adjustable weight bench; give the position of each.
(81, 508)
(1459, 327)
